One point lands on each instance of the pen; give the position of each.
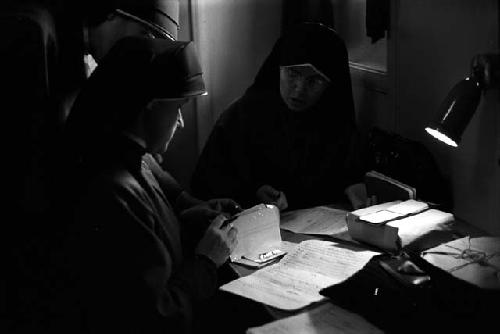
(440, 253)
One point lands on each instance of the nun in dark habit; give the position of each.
(131, 268)
(291, 139)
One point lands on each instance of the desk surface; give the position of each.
(376, 295)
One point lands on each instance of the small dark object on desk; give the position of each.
(404, 270)
(386, 298)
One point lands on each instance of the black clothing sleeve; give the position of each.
(131, 279)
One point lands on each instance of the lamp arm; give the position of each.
(486, 68)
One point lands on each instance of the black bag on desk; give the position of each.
(397, 305)
(467, 307)
(407, 161)
(388, 303)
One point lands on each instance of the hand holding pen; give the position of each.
(219, 241)
(224, 205)
(268, 195)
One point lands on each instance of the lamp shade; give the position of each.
(456, 111)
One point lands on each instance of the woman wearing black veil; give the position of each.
(290, 140)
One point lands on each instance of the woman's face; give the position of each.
(161, 119)
(301, 86)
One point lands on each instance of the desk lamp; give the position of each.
(459, 106)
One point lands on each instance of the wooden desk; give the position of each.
(378, 297)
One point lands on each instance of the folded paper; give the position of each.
(259, 237)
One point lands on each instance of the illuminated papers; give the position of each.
(259, 237)
(394, 211)
(296, 280)
(325, 319)
(475, 260)
(318, 220)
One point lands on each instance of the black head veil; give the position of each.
(322, 47)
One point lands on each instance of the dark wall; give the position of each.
(435, 42)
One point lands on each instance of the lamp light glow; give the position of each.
(442, 137)
(457, 109)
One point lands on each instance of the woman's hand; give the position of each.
(218, 241)
(268, 195)
(358, 196)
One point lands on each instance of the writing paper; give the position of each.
(325, 319)
(317, 220)
(296, 280)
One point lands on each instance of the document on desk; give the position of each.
(325, 319)
(296, 280)
(318, 220)
(259, 238)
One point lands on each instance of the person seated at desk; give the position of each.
(134, 272)
(291, 139)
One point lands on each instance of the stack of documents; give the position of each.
(296, 280)
(395, 225)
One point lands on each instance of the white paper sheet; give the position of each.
(317, 220)
(296, 280)
(325, 319)
(400, 209)
(380, 217)
(408, 207)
